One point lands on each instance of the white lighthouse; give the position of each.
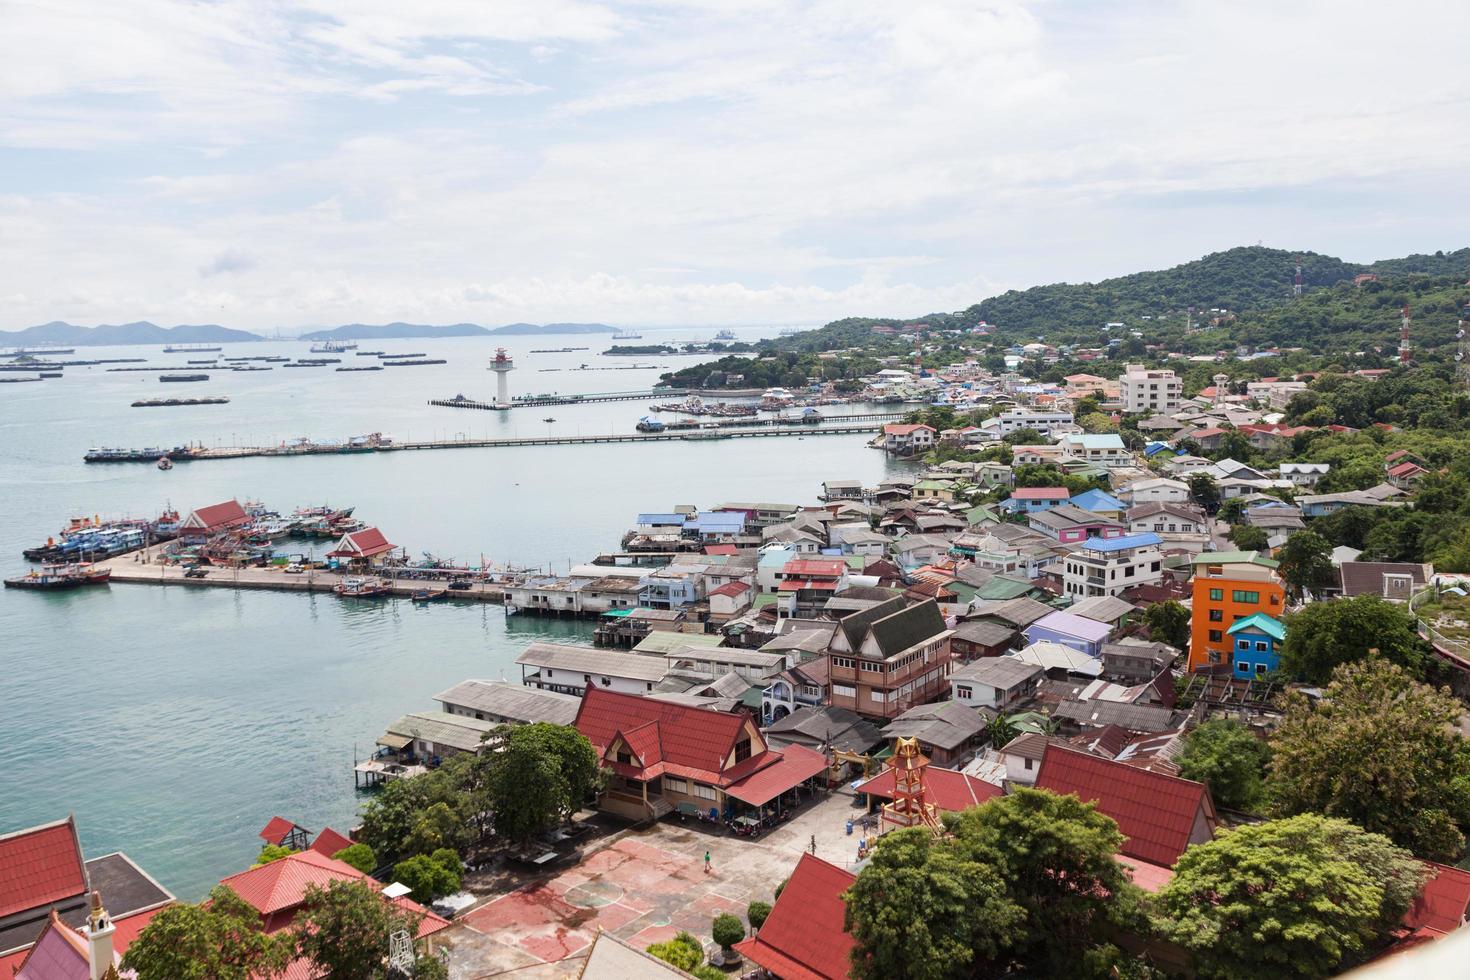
(502, 365)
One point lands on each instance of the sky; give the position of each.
(267, 164)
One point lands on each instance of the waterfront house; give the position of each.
(948, 732)
(46, 883)
(753, 666)
(430, 735)
(1228, 586)
(1107, 566)
(804, 936)
(206, 522)
(674, 586)
(889, 657)
(1000, 683)
(1256, 641)
(665, 756)
(571, 670)
(1082, 635)
(716, 527)
(505, 703)
(1030, 499)
(906, 440)
(359, 548)
(1158, 815)
(759, 515)
(842, 490)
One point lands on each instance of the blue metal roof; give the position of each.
(660, 519)
(1097, 500)
(1123, 543)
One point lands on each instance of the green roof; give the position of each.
(1028, 721)
(934, 485)
(763, 600)
(617, 613)
(660, 641)
(1234, 558)
(1001, 587)
(962, 591)
(981, 513)
(1262, 623)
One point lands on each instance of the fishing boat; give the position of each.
(361, 588)
(429, 595)
(57, 576)
(548, 419)
(164, 463)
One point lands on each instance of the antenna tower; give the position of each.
(1296, 286)
(1462, 351)
(1404, 356)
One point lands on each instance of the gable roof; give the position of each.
(40, 865)
(367, 543)
(686, 740)
(330, 843)
(1156, 813)
(1360, 577)
(1041, 493)
(908, 627)
(1443, 901)
(1259, 622)
(1070, 625)
(217, 515)
(277, 828)
(854, 626)
(947, 789)
(803, 938)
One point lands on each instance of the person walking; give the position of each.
(706, 862)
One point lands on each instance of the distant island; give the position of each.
(59, 332)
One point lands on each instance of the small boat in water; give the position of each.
(164, 463)
(548, 420)
(429, 595)
(61, 577)
(361, 588)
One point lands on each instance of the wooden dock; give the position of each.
(833, 428)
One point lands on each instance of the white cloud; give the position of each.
(663, 161)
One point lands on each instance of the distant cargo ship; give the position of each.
(627, 335)
(190, 349)
(183, 377)
(333, 347)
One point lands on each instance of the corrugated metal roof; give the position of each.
(442, 728)
(515, 701)
(586, 660)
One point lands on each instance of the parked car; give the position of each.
(195, 572)
(295, 568)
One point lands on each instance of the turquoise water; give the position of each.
(175, 722)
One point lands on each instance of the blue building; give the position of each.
(1255, 644)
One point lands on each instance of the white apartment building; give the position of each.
(1107, 566)
(1007, 422)
(1146, 391)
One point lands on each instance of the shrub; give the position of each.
(359, 856)
(757, 912)
(727, 930)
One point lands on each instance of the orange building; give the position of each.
(1229, 585)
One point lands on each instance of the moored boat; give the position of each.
(57, 576)
(360, 588)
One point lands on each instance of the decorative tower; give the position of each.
(99, 932)
(1404, 355)
(502, 365)
(910, 806)
(1222, 387)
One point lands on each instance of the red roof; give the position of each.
(691, 742)
(1404, 469)
(1042, 493)
(1155, 812)
(39, 866)
(329, 842)
(903, 430)
(796, 765)
(1443, 902)
(366, 543)
(803, 937)
(732, 589)
(217, 515)
(815, 567)
(1150, 877)
(276, 830)
(947, 789)
(720, 549)
(797, 584)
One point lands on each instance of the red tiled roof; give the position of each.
(329, 842)
(803, 937)
(947, 789)
(796, 765)
(1156, 813)
(797, 584)
(128, 928)
(217, 515)
(903, 430)
(1404, 469)
(1149, 877)
(720, 549)
(732, 589)
(1442, 904)
(276, 830)
(1042, 493)
(695, 742)
(643, 742)
(39, 866)
(819, 567)
(366, 543)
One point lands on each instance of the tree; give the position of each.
(1205, 491)
(1000, 731)
(439, 826)
(359, 856)
(727, 930)
(430, 875)
(683, 951)
(756, 914)
(1306, 563)
(272, 852)
(1305, 897)
(1168, 622)
(1225, 756)
(541, 774)
(1382, 751)
(921, 910)
(1232, 510)
(1248, 537)
(393, 821)
(345, 929)
(1324, 635)
(221, 939)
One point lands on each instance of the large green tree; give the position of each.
(1324, 635)
(1205, 491)
(1225, 756)
(1168, 622)
(541, 774)
(220, 939)
(1302, 897)
(1306, 564)
(397, 823)
(345, 929)
(1381, 750)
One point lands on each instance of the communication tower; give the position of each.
(1462, 349)
(1296, 286)
(1404, 355)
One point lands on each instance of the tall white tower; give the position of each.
(502, 365)
(1222, 388)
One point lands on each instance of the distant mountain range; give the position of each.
(143, 332)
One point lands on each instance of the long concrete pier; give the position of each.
(834, 428)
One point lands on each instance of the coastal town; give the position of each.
(1074, 590)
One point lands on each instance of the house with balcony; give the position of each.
(801, 685)
(1017, 419)
(889, 657)
(1107, 566)
(906, 440)
(1069, 524)
(807, 583)
(1102, 449)
(1303, 474)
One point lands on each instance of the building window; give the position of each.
(1028, 765)
(964, 692)
(844, 691)
(742, 750)
(1217, 595)
(1217, 615)
(1260, 670)
(1260, 646)
(704, 792)
(1216, 636)
(625, 758)
(1241, 596)
(674, 784)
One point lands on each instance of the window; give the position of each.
(625, 758)
(704, 792)
(879, 697)
(742, 750)
(1216, 636)
(1217, 595)
(1217, 615)
(963, 692)
(1261, 670)
(1275, 600)
(1260, 646)
(1028, 765)
(844, 691)
(1242, 596)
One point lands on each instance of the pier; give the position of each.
(541, 401)
(699, 435)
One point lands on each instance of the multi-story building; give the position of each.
(1104, 448)
(1229, 586)
(1150, 392)
(1107, 566)
(1016, 419)
(889, 657)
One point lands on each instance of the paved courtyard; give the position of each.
(643, 886)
